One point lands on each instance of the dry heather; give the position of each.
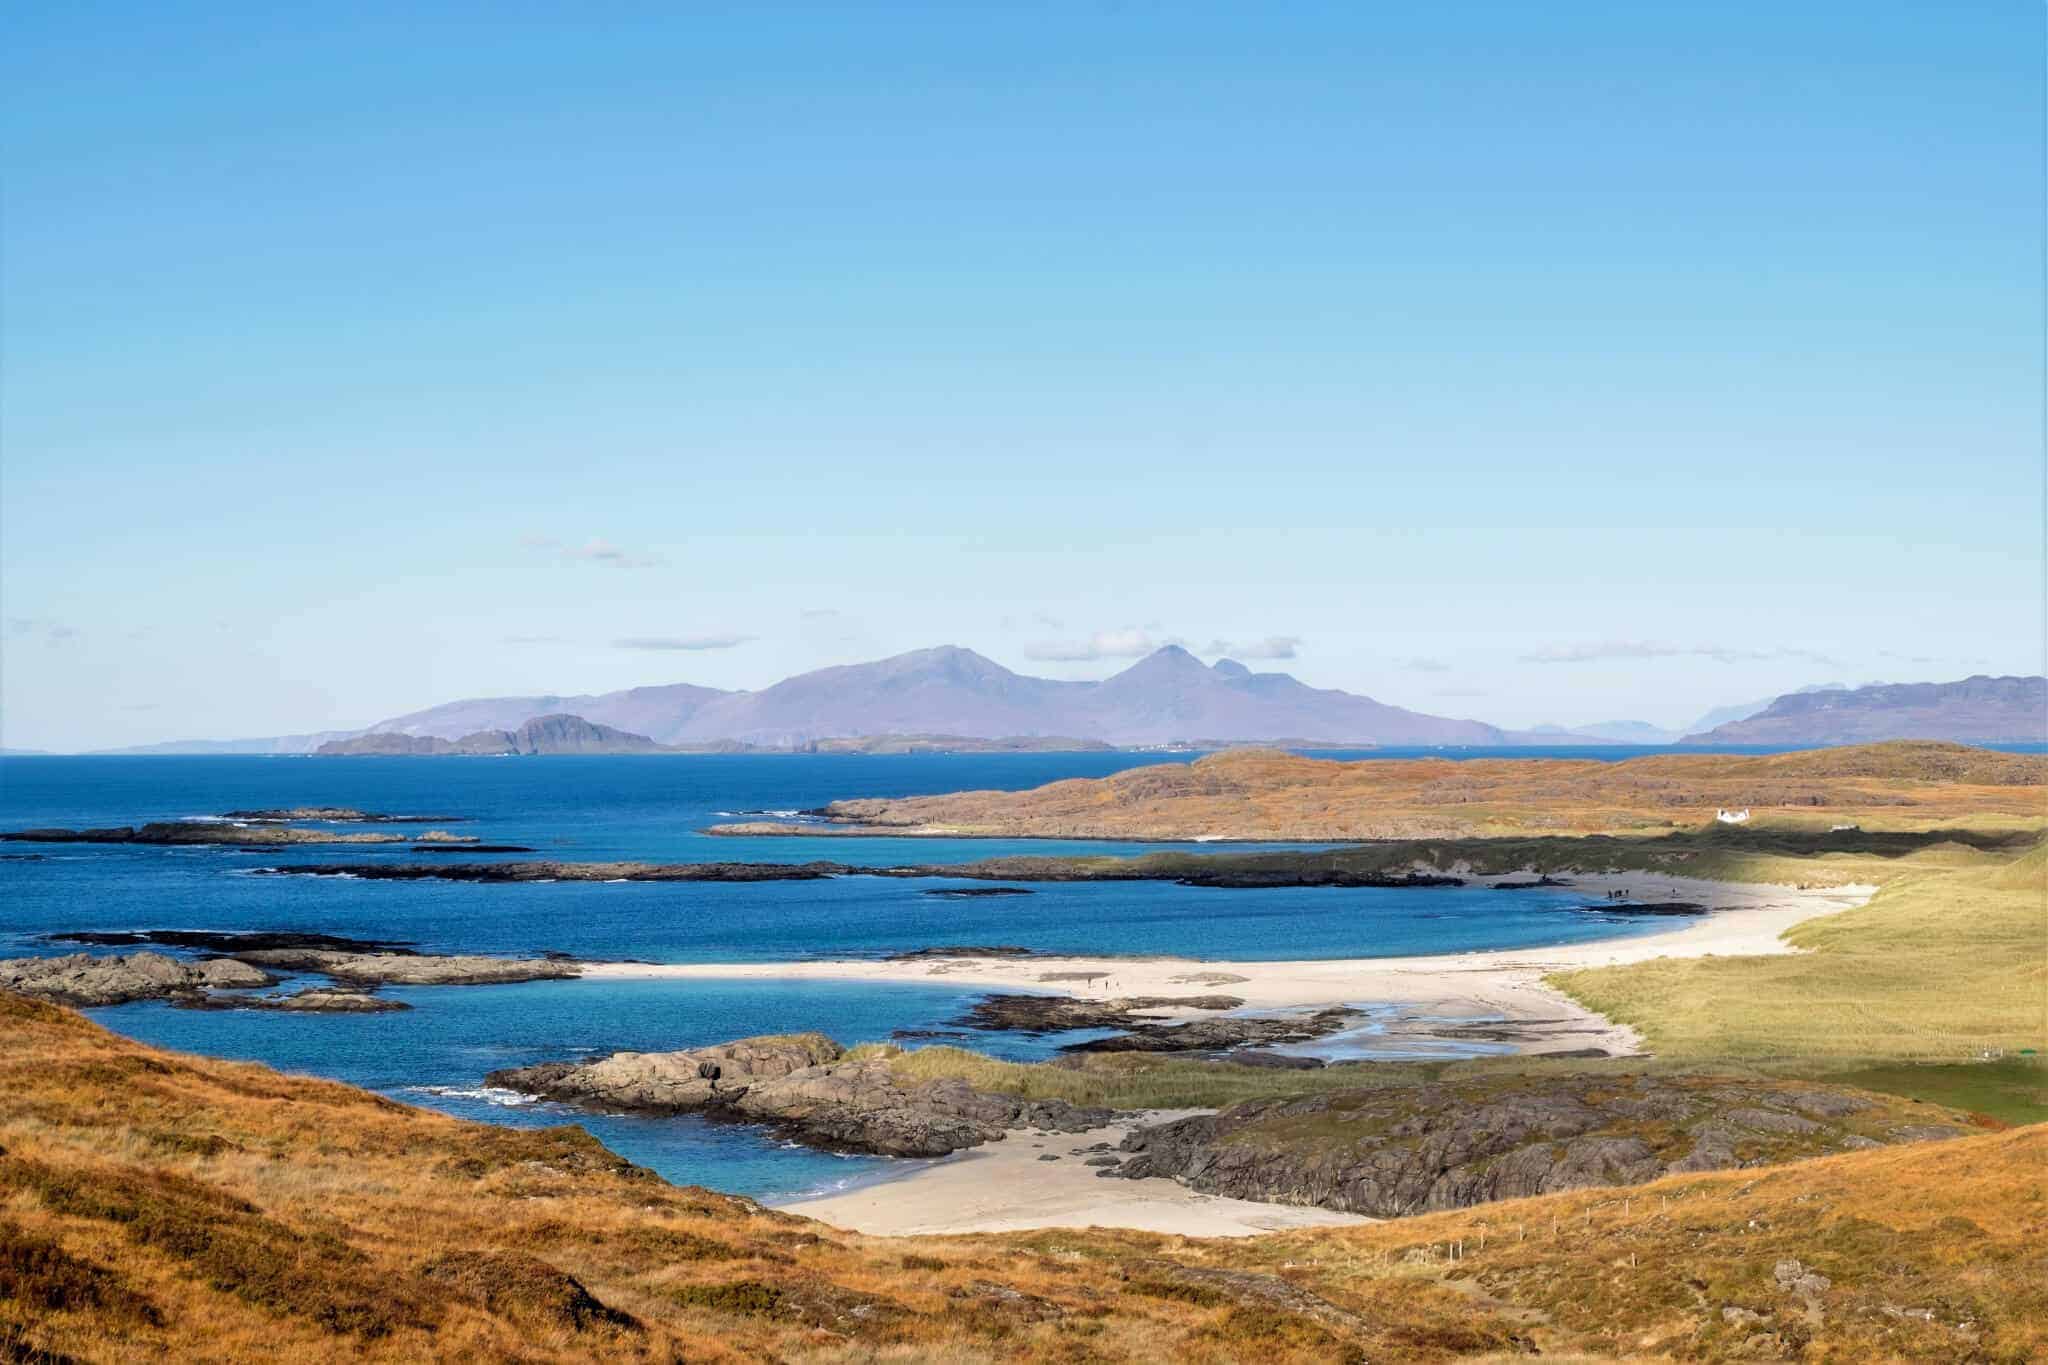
(158, 1206)
(1263, 794)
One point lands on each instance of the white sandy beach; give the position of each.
(1004, 1186)
(1746, 919)
(1007, 1187)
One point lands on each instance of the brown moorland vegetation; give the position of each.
(154, 1205)
(1267, 794)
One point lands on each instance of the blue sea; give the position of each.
(655, 808)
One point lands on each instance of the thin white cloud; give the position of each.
(596, 550)
(682, 642)
(611, 556)
(1421, 665)
(1604, 650)
(1131, 642)
(1267, 647)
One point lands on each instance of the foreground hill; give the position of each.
(1979, 710)
(1263, 794)
(165, 1206)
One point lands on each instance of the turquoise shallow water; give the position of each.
(650, 808)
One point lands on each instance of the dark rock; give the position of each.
(1260, 878)
(177, 832)
(440, 847)
(235, 942)
(1225, 1034)
(1103, 1161)
(336, 815)
(1059, 1013)
(1403, 1150)
(1644, 908)
(312, 1000)
(1529, 885)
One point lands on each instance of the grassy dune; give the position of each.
(158, 1206)
(1940, 965)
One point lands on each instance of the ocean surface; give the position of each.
(654, 808)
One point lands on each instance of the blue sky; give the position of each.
(1524, 362)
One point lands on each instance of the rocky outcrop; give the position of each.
(231, 941)
(311, 1000)
(1058, 1013)
(1398, 1151)
(83, 979)
(1224, 1034)
(1279, 878)
(411, 969)
(673, 1082)
(334, 815)
(199, 832)
(805, 1086)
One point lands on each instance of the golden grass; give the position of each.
(154, 1206)
(1264, 794)
(1939, 965)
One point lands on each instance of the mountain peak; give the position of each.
(1230, 668)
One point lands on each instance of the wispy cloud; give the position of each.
(1604, 650)
(1267, 647)
(533, 639)
(1132, 642)
(596, 550)
(51, 631)
(682, 642)
(1461, 692)
(819, 613)
(1420, 665)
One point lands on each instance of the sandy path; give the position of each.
(1006, 1187)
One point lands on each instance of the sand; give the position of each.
(1006, 1187)
(1434, 994)
(1431, 1001)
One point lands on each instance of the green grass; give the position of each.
(1939, 966)
(2012, 1089)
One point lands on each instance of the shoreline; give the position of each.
(1009, 1186)
(1004, 1186)
(1439, 995)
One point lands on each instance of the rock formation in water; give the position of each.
(83, 979)
(806, 1086)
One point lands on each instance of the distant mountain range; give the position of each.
(1979, 710)
(1166, 697)
(953, 698)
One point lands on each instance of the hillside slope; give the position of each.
(1262, 794)
(154, 1205)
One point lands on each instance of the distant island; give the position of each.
(564, 734)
